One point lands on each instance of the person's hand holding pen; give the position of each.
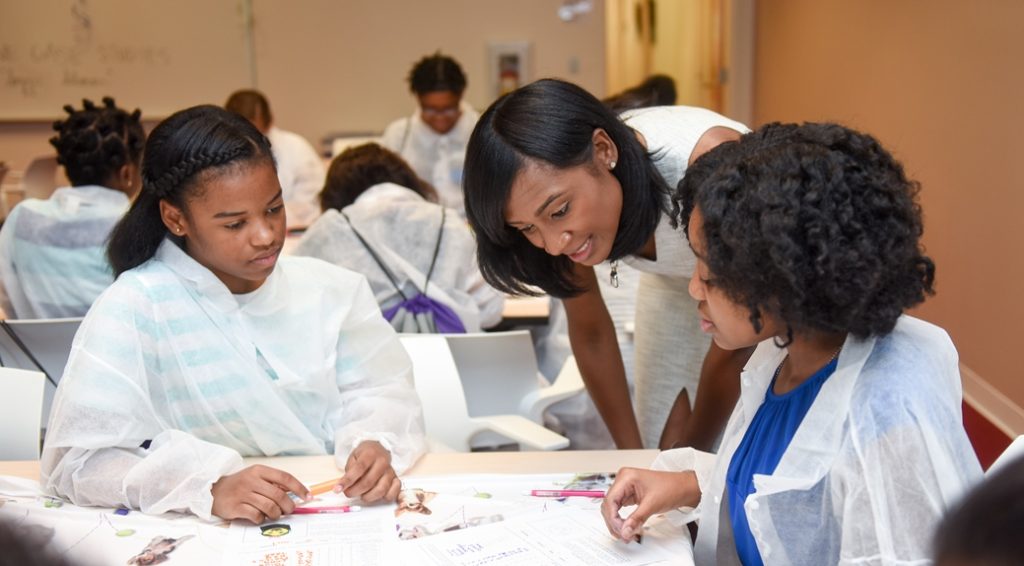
(368, 474)
(652, 492)
(256, 493)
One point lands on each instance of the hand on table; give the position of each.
(369, 475)
(256, 494)
(652, 492)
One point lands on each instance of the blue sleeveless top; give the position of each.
(763, 445)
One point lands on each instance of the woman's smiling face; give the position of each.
(574, 211)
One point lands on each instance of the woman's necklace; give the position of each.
(778, 370)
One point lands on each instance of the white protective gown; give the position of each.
(169, 358)
(876, 462)
(52, 252)
(301, 173)
(436, 158)
(403, 228)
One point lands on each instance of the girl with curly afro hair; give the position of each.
(847, 443)
(51, 250)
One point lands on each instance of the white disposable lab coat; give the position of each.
(403, 229)
(53, 252)
(877, 460)
(436, 158)
(301, 173)
(172, 379)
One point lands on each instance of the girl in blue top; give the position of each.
(847, 443)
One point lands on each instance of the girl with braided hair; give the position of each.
(208, 348)
(52, 260)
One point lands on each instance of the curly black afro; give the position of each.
(815, 225)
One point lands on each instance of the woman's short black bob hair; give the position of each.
(815, 225)
(552, 122)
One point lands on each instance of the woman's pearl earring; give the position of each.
(611, 165)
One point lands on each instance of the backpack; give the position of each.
(419, 313)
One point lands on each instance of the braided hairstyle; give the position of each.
(180, 153)
(95, 142)
(435, 73)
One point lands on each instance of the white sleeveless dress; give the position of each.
(669, 345)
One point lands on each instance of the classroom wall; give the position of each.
(355, 55)
(331, 66)
(939, 83)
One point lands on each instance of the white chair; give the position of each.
(444, 404)
(499, 375)
(39, 345)
(20, 411)
(1013, 451)
(40, 177)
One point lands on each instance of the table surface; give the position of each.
(314, 469)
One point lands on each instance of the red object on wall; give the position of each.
(988, 441)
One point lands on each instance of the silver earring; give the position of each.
(611, 165)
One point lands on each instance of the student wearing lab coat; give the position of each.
(392, 210)
(433, 140)
(208, 348)
(299, 168)
(52, 262)
(847, 444)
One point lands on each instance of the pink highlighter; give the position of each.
(326, 509)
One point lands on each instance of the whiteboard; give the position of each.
(157, 55)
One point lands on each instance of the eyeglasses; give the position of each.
(448, 112)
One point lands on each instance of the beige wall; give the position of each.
(355, 55)
(331, 66)
(940, 83)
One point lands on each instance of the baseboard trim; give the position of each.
(1003, 413)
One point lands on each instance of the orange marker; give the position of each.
(323, 487)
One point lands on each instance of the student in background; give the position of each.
(433, 140)
(984, 529)
(372, 191)
(207, 348)
(655, 90)
(299, 168)
(847, 444)
(52, 262)
(556, 184)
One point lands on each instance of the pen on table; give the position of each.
(566, 493)
(334, 509)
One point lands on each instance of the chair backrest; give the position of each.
(48, 340)
(498, 370)
(439, 390)
(20, 408)
(40, 177)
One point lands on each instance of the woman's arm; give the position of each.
(717, 392)
(593, 340)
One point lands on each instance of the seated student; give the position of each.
(847, 444)
(433, 140)
(299, 168)
(52, 263)
(984, 528)
(373, 195)
(207, 348)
